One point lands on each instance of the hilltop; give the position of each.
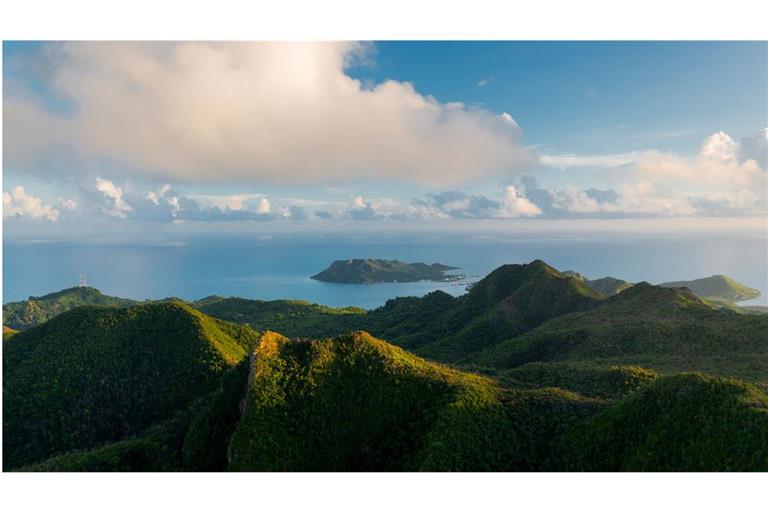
(97, 374)
(369, 271)
(36, 310)
(717, 288)
(509, 301)
(606, 285)
(355, 403)
(656, 327)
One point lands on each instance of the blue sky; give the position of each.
(594, 96)
(203, 134)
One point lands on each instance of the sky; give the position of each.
(208, 137)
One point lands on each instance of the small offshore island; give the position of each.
(370, 271)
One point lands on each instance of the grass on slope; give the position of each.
(357, 403)
(95, 375)
(686, 422)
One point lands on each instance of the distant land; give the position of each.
(717, 288)
(605, 285)
(370, 271)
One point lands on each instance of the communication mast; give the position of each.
(83, 282)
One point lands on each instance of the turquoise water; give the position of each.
(280, 268)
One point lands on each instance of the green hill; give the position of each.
(95, 375)
(510, 300)
(585, 378)
(368, 271)
(687, 422)
(661, 328)
(357, 403)
(606, 285)
(36, 310)
(292, 317)
(717, 288)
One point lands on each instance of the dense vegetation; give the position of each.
(95, 374)
(368, 271)
(356, 403)
(36, 310)
(608, 382)
(644, 325)
(510, 300)
(687, 422)
(548, 374)
(292, 317)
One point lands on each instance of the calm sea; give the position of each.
(280, 268)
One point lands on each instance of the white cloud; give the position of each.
(18, 204)
(117, 207)
(272, 112)
(606, 161)
(69, 204)
(263, 205)
(362, 210)
(230, 201)
(514, 205)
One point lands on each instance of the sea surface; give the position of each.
(276, 268)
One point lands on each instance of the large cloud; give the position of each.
(723, 178)
(267, 112)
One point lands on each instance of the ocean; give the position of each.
(279, 268)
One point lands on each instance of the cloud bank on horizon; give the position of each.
(124, 128)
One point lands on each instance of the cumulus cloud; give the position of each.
(116, 205)
(361, 210)
(272, 112)
(514, 205)
(755, 147)
(69, 204)
(460, 205)
(294, 212)
(724, 177)
(18, 203)
(637, 199)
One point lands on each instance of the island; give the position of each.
(717, 288)
(370, 271)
